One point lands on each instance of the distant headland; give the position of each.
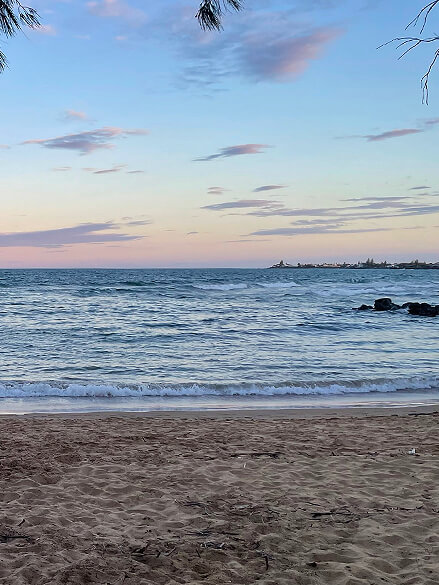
(369, 263)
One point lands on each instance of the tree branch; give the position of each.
(13, 16)
(410, 43)
(210, 12)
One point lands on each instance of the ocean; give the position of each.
(84, 340)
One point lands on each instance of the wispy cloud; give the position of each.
(113, 169)
(419, 187)
(268, 188)
(423, 126)
(139, 222)
(322, 220)
(216, 190)
(87, 142)
(266, 57)
(117, 9)
(135, 172)
(46, 29)
(314, 230)
(392, 134)
(237, 150)
(241, 204)
(86, 233)
(75, 115)
(265, 46)
(61, 169)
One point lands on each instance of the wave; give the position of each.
(288, 284)
(242, 285)
(220, 286)
(329, 388)
(133, 283)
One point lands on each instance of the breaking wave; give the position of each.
(77, 390)
(220, 286)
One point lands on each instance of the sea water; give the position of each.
(220, 338)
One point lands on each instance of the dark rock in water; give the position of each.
(423, 309)
(385, 305)
(413, 308)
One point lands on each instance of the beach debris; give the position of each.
(343, 511)
(215, 545)
(8, 535)
(272, 454)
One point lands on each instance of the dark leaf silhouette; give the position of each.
(210, 12)
(13, 17)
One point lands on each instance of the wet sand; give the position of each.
(283, 497)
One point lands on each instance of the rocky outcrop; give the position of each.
(423, 309)
(386, 304)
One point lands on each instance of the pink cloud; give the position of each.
(392, 134)
(236, 150)
(87, 142)
(46, 29)
(116, 9)
(282, 59)
(75, 115)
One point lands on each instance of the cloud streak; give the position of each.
(74, 115)
(314, 230)
(113, 169)
(216, 190)
(424, 126)
(86, 233)
(326, 220)
(236, 150)
(241, 204)
(268, 188)
(392, 134)
(87, 142)
(117, 9)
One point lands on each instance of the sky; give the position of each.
(131, 138)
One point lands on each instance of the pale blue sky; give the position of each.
(299, 87)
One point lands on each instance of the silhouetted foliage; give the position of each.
(13, 16)
(210, 12)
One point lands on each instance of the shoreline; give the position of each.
(259, 413)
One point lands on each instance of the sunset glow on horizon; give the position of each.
(135, 139)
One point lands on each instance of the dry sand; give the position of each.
(273, 499)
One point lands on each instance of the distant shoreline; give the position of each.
(368, 265)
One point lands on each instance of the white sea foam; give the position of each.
(220, 286)
(288, 284)
(46, 389)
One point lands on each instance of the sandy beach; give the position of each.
(271, 498)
